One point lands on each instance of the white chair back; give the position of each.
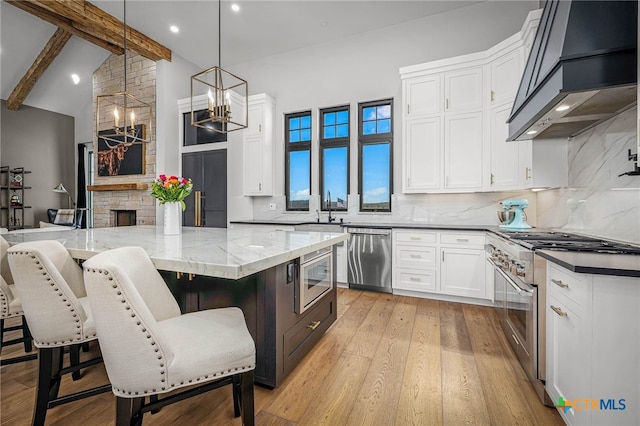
(128, 298)
(49, 283)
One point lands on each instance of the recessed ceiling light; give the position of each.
(174, 29)
(562, 108)
(532, 132)
(75, 78)
(324, 23)
(235, 7)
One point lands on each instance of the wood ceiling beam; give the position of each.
(66, 24)
(105, 26)
(93, 24)
(42, 62)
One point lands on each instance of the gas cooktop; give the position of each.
(549, 240)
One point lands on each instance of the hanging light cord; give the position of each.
(124, 44)
(219, 35)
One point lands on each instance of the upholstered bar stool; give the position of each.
(50, 285)
(150, 349)
(10, 307)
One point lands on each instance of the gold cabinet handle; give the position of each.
(260, 186)
(416, 238)
(313, 325)
(527, 173)
(559, 283)
(443, 256)
(414, 279)
(198, 208)
(260, 128)
(408, 109)
(558, 311)
(415, 256)
(493, 97)
(492, 178)
(446, 103)
(462, 240)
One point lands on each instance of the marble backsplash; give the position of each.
(443, 209)
(597, 201)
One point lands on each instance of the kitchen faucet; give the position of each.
(331, 219)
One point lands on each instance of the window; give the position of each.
(298, 160)
(375, 141)
(334, 157)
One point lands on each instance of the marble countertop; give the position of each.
(624, 265)
(215, 252)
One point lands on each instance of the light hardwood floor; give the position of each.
(387, 360)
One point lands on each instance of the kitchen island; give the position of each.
(257, 270)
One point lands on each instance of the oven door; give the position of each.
(316, 279)
(521, 313)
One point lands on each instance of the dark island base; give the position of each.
(282, 337)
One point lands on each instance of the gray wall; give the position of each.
(43, 142)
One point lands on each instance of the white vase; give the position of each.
(172, 218)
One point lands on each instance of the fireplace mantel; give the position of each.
(118, 187)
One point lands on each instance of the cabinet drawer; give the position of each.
(301, 337)
(415, 280)
(462, 239)
(415, 237)
(563, 283)
(416, 257)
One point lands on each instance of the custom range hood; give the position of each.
(582, 69)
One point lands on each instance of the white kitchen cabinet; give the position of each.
(415, 260)
(505, 73)
(422, 96)
(463, 151)
(341, 264)
(463, 272)
(463, 90)
(422, 148)
(258, 146)
(447, 265)
(593, 345)
(443, 130)
(507, 172)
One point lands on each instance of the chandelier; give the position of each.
(121, 118)
(218, 97)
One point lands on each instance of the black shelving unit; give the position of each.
(12, 197)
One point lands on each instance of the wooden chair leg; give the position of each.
(1, 334)
(74, 359)
(129, 411)
(236, 394)
(246, 399)
(85, 347)
(49, 366)
(26, 335)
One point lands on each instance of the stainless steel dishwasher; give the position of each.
(369, 259)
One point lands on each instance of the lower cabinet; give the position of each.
(341, 264)
(440, 263)
(593, 347)
(463, 272)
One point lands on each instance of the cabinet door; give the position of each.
(505, 160)
(422, 96)
(568, 358)
(422, 141)
(255, 124)
(463, 90)
(463, 272)
(253, 166)
(463, 151)
(208, 171)
(505, 77)
(341, 263)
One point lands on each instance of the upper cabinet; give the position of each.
(443, 126)
(454, 124)
(257, 147)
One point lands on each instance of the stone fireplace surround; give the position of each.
(126, 192)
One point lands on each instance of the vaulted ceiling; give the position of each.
(259, 29)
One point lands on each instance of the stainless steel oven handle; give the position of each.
(521, 291)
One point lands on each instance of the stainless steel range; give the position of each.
(520, 290)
